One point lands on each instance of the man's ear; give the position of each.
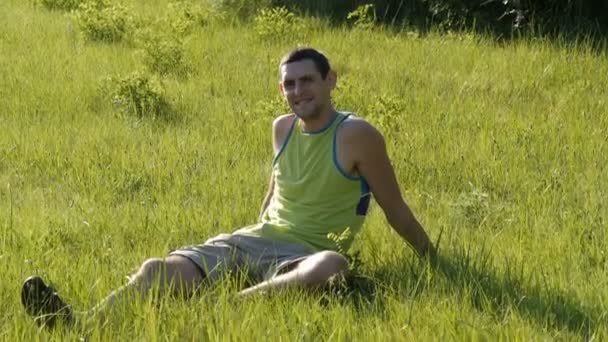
(281, 90)
(331, 79)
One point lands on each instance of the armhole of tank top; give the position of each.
(363, 204)
(366, 196)
(276, 157)
(334, 153)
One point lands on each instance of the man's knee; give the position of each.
(150, 270)
(320, 267)
(182, 270)
(174, 271)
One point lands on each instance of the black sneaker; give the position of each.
(44, 304)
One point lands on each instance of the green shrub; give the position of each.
(363, 17)
(355, 282)
(183, 16)
(277, 23)
(240, 9)
(138, 94)
(62, 5)
(100, 20)
(164, 55)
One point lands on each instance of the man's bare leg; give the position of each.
(175, 274)
(312, 272)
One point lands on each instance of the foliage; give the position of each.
(137, 94)
(184, 16)
(554, 13)
(337, 9)
(355, 285)
(165, 55)
(495, 15)
(277, 23)
(363, 17)
(101, 20)
(240, 9)
(63, 5)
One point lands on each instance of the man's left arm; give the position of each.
(373, 164)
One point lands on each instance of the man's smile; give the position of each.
(302, 101)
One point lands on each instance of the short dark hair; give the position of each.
(302, 53)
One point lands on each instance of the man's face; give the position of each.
(305, 90)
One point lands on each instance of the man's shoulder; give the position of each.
(280, 130)
(355, 127)
(283, 122)
(283, 119)
(358, 140)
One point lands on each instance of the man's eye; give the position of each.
(289, 84)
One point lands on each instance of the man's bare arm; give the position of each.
(374, 165)
(280, 128)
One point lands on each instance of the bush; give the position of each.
(241, 9)
(138, 94)
(100, 20)
(183, 17)
(363, 17)
(277, 23)
(335, 8)
(63, 5)
(164, 55)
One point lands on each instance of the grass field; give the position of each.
(501, 146)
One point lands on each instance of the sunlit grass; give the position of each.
(500, 146)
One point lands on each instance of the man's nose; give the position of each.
(298, 88)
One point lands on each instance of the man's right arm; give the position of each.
(280, 130)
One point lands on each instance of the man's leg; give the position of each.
(313, 272)
(176, 275)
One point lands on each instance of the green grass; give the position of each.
(503, 147)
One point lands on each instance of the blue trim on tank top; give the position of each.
(366, 196)
(325, 128)
(364, 186)
(335, 158)
(274, 160)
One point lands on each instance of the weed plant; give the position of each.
(138, 94)
(101, 20)
(165, 55)
(278, 24)
(62, 5)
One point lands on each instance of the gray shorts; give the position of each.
(261, 259)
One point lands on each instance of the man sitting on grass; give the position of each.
(325, 164)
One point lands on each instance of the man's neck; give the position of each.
(317, 124)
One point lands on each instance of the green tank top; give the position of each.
(315, 202)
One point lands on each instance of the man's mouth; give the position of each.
(301, 102)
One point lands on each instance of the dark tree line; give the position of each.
(504, 16)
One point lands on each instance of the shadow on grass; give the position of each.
(489, 292)
(541, 304)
